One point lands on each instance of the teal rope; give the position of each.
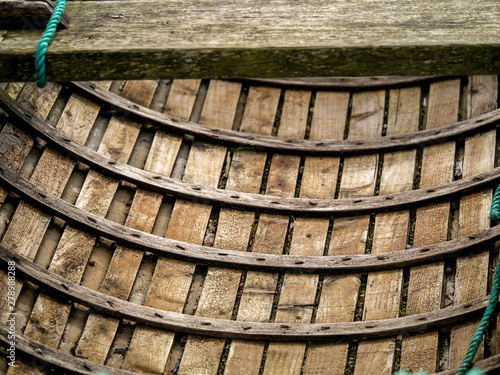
(41, 49)
(495, 206)
(489, 313)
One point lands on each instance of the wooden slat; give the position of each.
(258, 291)
(420, 352)
(201, 356)
(339, 293)
(383, 289)
(100, 331)
(15, 145)
(471, 278)
(283, 145)
(157, 39)
(210, 195)
(149, 349)
(49, 316)
(319, 180)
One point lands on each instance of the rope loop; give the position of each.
(41, 49)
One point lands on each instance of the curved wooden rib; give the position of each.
(246, 201)
(237, 259)
(285, 145)
(345, 83)
(45, 354)
(178, 322)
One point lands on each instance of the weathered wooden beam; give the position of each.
(247, 38)
(27, 15)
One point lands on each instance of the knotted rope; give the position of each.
(41, 49)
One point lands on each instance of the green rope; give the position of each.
(41, 49)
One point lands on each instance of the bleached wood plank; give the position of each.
(220, 288)
(193, 39)
(383, 289)
(49, 316)
(319, 180)
(258, 292)
(99, 330)
(171, 280)
(419, 352)
(340, 293)
(471, 278)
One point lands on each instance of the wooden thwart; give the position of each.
(194, 39)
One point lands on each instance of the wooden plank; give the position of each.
(149, 348)
(383, 289)
(471, 280)
(202, 356)
(28, 224)
(49, 315)
(15, 145)
(282, 145)
(319, 180)
(100, 331)
(258, 292)
(420, 352)
(339, 293)
(161, 40)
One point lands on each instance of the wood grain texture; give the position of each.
(221, 285)
(258, 292)
(245, 260)
(471, 279)
(295, 39)
(171, 280)
(420, 352)
(15, 145)
(49, 316)
(285, 145)
(383, 289)
(297, 297)
(100, 331)
(340, 293)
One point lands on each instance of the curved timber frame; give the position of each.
(256, 202)
(237, 259)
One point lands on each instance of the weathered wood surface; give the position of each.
(319, 179)
(172, 279)
(420, 352)
(339, 294)
(247, 260)
(49, 316)
(231, 317)
(195, 39)
(153, 318)
(28, 15)
(43, 354)
(220, 287)
(99, 331)
(14, 148)
(383, 289)
(471, 280)
(325, 146)
(257, 202)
